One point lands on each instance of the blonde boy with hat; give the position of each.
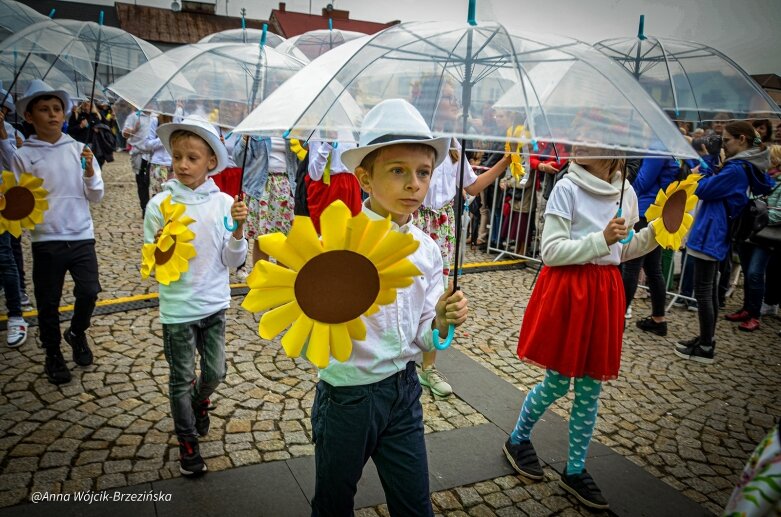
(192, 309)
(369, 405)
(65, 241)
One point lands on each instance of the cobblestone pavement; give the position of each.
(691, 425)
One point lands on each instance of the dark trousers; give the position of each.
(652, 265)
(51, 260)
(687, 274)
(706, 292)
(383, 421)
(13, 295)
(773, 279)
(753, 260)
(142, 184)
(16, 246)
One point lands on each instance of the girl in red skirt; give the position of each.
(330, 180)
(574, 322)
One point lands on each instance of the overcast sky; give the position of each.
(745, 30)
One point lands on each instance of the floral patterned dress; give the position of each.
(759, 490)
(273, 212)
(441, 226)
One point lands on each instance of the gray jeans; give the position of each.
(180, 342)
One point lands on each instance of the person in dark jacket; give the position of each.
(722, 197)
(82, 120)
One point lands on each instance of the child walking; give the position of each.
(65, 241)
(369, 405)
(580, 341)
(192, 309)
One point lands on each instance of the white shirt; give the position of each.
(318, 156)
(277, 161)
(138, 128)
(399, 331)
(443, 183)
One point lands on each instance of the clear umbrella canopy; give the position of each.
(314, 44)
(689, 80)
(449, 70)
(58, 75)
(15, 16)
(82, 44)
(218, 81)
(243, 36)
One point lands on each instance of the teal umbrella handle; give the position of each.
(471, 15)
(84, 160)
(451, 331)
(230, 227)
(629, 235)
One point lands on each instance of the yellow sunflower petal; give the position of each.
(294, 339)
(36, 216)
(357, 329)
(304, 235)
(2, 203)
(687, 220)
(185, 250)
(318, 349)
(375, 232)
(163, 274)
(277, 320)
(691, 203)
(372, 310)
(341, 344)
(401, 268)
(653, 212)
(265, 274)
(332, 225)
(391, 256)
(395, 282)
(275, 245)
(165, 242)
(385, 296)
(356, 227)
(258, 300)
(9, 180)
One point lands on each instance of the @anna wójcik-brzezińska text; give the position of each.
(89, 497)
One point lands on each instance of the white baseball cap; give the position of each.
(38, 88)
(203, 129)
(391, 122)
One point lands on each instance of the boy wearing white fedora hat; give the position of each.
(65, 241)
(369, 405)
(192, 309)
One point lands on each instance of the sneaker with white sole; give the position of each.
(628, 314)
(768, 310)
(27, 305)
(17, 332)
(432, 379)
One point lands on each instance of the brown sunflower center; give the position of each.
(19, 203)
(337, 286)
(672, 213)
(162, 257)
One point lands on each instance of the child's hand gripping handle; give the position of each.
(232, 226)
(629, 234)
(84, 160)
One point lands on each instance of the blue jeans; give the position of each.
(13, 295)
(383, 421)
(754, 260)
(180, 342)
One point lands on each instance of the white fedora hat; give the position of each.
(203, 129)
(391, 122)
(9, 100)
(38, 88)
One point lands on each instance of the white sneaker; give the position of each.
(27, 305)
(628, 315)
(17, 332)
(243, 273)
(768, 310)
(435, 381)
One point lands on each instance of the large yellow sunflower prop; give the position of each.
(169, 256)
(21, 205)
(516, 165)
(297, 148)
(330, 283)
(669, 213)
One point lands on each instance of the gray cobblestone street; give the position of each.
(690, 425)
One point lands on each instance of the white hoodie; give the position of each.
(69, 191)
(204, 289)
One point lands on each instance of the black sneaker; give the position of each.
(82, 355)
(56, 369)
(583, 487)
(649, 325)
(685, 347)
(190, 461)
(523, 459)
(202, 422)
(696, 353)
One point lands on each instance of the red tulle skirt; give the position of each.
(574, 323)
(229, 181)
(319, 195)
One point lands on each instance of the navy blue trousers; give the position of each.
(382, 421)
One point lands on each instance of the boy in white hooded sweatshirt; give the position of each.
(192, 309)
(65, 241)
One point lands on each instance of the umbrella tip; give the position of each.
(471, 16)
(286, 133)
(535, 146)
(51, 13)
(263, 36)
(101, 18)
(704, 165)
(330, 24)
(641, 28)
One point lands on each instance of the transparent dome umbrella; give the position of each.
(243, 36)
(218, 81)
(15, 16)
(314, 44)
(444, 67)
(689, 80)
(83, 45)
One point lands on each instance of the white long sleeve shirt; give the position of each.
(69, 191)
(445, 180)
(318, 156)
(400, 331)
